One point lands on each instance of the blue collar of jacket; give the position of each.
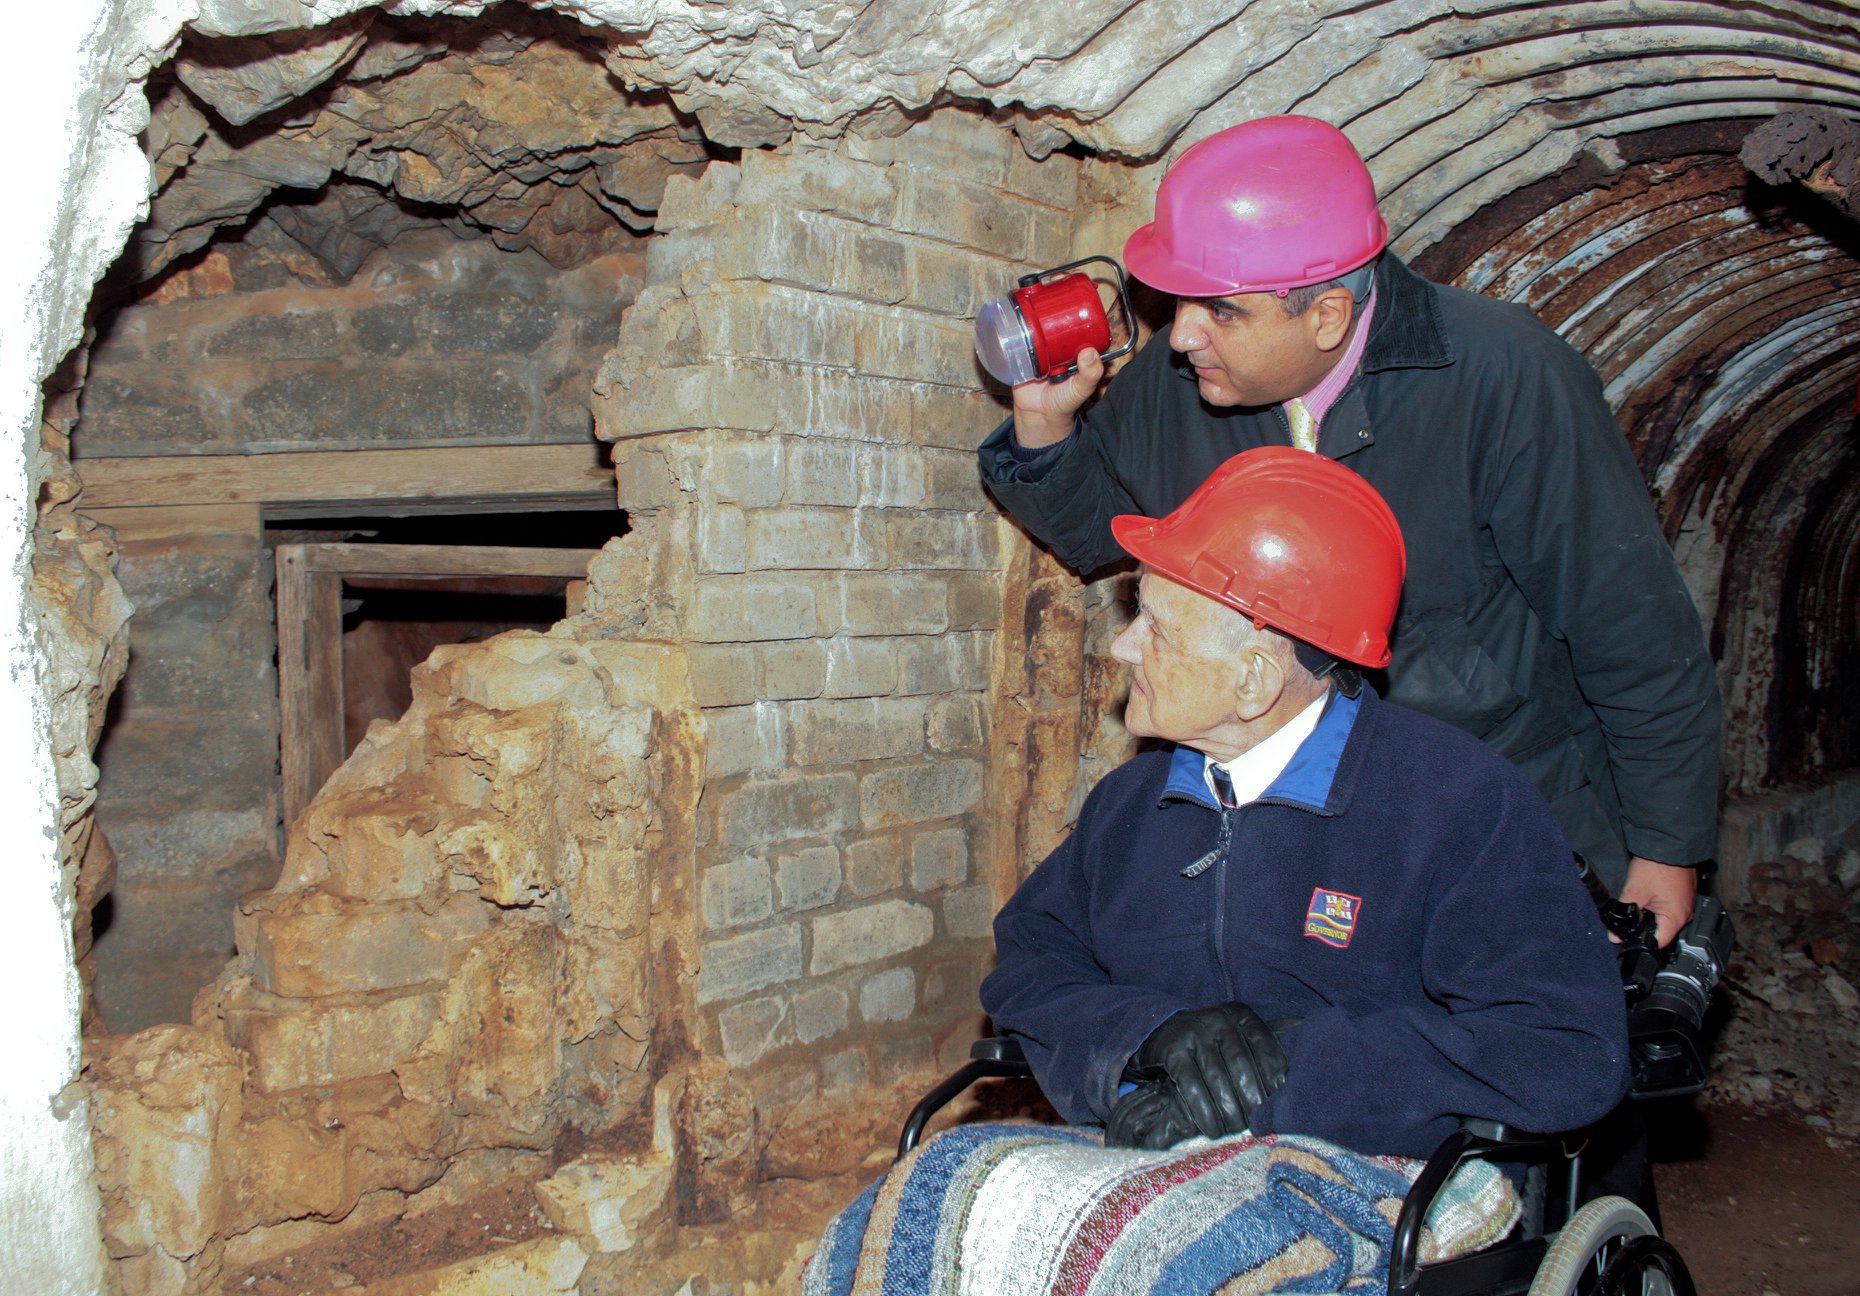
(1308, 780)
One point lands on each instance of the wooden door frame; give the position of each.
(179, 494)
(309, 603)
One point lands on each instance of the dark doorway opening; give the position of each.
(362, 601)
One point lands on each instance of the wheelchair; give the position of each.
(1605, 1247)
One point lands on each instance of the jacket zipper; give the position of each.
(1225, 849)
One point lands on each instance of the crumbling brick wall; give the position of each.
(255, 349)
(708, 871)
(474, 950)
(444, 342)
(193, 834)
(794, 405)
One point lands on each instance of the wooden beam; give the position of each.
(467, 478)
(352, 559)
(167, 523)
(309, 677)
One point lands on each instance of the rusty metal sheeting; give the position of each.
(1815, 146)
(1724, 319)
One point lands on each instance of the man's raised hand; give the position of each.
(1044, 411)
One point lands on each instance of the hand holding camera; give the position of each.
(1668, 991)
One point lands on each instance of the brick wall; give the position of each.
(794, 405)
(470, 956)
(763, 927)
(254, 350)
(442, 342)
(189, 793)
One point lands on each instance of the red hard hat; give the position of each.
(1264, 206)
(1292, 539)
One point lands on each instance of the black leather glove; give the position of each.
(1149, 1116)
(1223, 1061)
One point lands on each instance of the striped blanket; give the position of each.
(1015, 1210)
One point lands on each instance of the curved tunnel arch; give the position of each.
(1582, 161)
(1724, 319)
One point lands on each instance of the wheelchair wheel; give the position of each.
(1609, 1248)
(1646, 1265)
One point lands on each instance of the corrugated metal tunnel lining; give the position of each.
(1723, 316)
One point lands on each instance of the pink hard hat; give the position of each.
(1265, 206)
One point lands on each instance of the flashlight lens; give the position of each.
(1002, 343)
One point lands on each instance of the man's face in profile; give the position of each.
(1246, 350)
(1182, 664)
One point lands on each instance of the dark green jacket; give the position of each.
(1543, 611)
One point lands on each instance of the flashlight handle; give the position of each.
(1129, 343)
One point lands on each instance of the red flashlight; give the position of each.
(1038, 330)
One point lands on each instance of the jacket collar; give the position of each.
(1307, 780)
(1406, 331)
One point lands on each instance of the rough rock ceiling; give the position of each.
(1455, 105)
(351, 133)
(1502, 89)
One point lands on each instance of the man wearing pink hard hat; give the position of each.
(1544, 612)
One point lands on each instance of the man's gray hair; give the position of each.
(1299, 300)
(1358, 281)
(1292, 654)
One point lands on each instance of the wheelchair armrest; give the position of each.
(997, 1057)
(1004, 1049)
(1475, 1138)
(1491, 1131)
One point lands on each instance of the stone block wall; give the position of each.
(189, 793)
(794, 405)
(441, 342)
(255, 349)
(703, 878)
(473, 956)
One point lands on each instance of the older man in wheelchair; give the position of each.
(1303, 941)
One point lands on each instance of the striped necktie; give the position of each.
(1224, 795)
(1223, 787)
(1304, 427)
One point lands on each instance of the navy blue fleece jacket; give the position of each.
(1401, 888)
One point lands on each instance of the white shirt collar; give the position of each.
(1254, 770)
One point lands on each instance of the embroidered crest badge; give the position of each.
(1332, 917)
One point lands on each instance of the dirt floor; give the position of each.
(1761, 1204)
(1760, 1179)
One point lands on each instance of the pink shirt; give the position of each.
(1321, 397)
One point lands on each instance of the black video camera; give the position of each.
(1668, 991)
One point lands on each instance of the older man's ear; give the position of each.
(1259, 682)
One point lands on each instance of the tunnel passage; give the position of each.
(395, 254)
(277, 313)
(1721, 314)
